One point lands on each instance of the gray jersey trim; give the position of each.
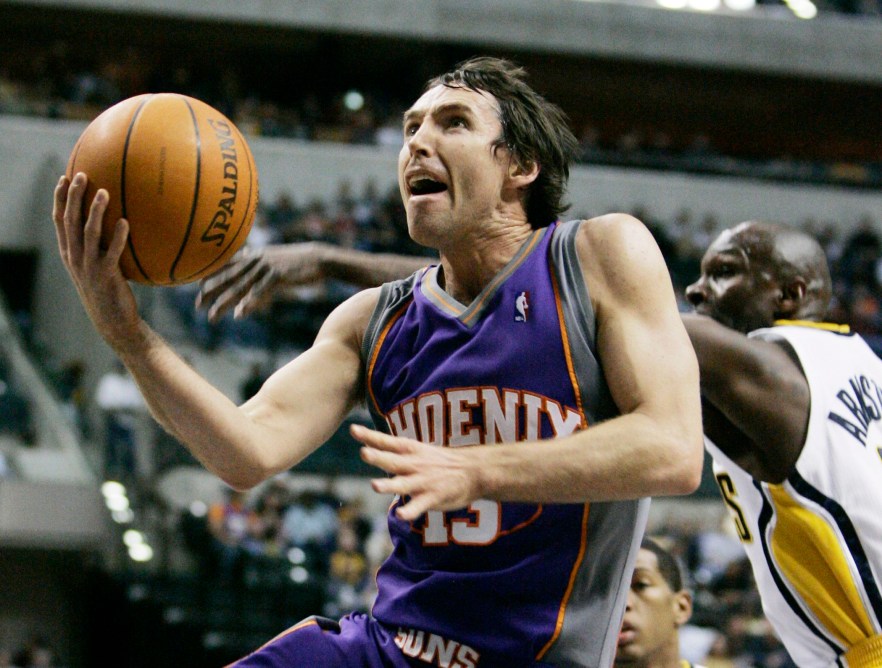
(393, 296)
(580, 324)
(615, 529)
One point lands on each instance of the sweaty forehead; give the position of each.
(725, 244)
(440, 97)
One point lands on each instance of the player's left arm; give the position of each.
(653, 448)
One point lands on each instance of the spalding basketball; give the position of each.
(182, 175)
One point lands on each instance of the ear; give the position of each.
(792, 297)
(682, 607)
(521, 176)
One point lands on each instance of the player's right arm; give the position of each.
(254, 277)
(297, 409)
(758, 388)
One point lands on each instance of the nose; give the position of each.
(419, 143)
(695, 293)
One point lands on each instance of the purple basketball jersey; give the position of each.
(500, 584)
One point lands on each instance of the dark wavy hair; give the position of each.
(668, 565)
(534, 130)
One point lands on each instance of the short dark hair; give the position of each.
(534, 130)
(667, 564)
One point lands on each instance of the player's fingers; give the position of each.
(58, 205)
(379, 440)
(416, 506)
(236, 291)
(217, 286)
(94, 223)
(390, 462)
(73, 217)
(220, 280)
(259, 296)
(414, 483)
(118, 242)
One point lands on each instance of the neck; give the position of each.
(468, 267)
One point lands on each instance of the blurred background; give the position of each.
(116, 548)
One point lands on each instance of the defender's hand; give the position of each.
(253, 277)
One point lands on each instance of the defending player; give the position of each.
(792, 410)
(520, 453)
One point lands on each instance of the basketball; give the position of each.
(183, 176)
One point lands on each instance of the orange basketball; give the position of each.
(183, 176)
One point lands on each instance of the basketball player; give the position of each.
(791, 414)
(520, 453)
(658, 605)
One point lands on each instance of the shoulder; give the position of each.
(350, 319)
(619, 255)
(615, 242)
(610, 228)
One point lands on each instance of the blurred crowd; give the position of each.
(374, 221)
(276, 536)
(36, 652)
(52, 82)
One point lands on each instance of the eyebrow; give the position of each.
(445, 108)
(735, 253)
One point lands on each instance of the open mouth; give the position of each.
(426, 186)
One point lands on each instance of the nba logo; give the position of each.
(522, 306)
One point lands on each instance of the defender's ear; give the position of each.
(792, 296)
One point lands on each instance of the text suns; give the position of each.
(435, 650)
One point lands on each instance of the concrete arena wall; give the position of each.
(769, 39)
(34, 152)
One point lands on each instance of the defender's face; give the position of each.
(737, 287)
(449, 173)
(652, 615)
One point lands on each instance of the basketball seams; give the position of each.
(122, 185)
(248, 210)
(195, 202)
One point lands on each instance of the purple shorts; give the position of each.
(356, 640)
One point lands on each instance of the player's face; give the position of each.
(652, 616)
(449, 172)
(737, 287)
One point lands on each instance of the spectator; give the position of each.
(72, 392)
(234, 528)
(270, 509)
(311, 523)
(347, 573)
(658, 605)
(16, 417)
(120, 402)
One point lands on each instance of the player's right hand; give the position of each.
(94, 270)
(253, 277)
